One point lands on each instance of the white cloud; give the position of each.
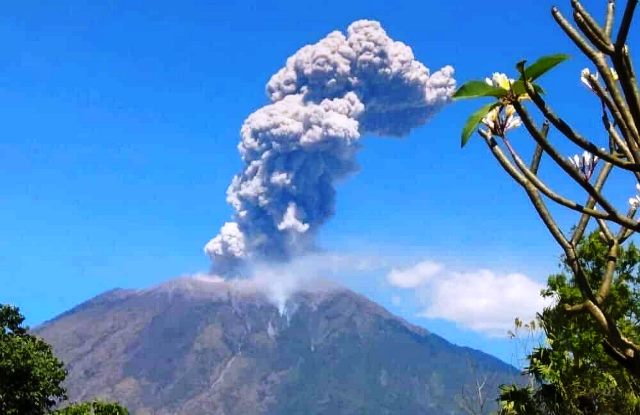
(415, 276)
(482, 301)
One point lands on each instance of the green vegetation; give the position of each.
(573, 371)
(93, 408)
(31, 376)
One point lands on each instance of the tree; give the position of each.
(473, 398)
(93, 408)
(573, 372)
(30, 375)
(618, 101)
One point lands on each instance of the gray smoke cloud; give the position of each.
(298, 146)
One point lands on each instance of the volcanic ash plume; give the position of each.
(305, 140)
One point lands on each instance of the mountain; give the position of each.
(195, 346)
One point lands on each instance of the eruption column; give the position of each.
(305, 140)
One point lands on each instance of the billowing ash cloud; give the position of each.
(305, 140)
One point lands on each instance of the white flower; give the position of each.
(490, 120)
(501, 119)
(499, 80)
(635, 200)
(513, 122)
(585, 74)
(585, 164)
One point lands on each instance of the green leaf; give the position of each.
(474, 120)
(474, 89)
(518, 88)
(541, 66)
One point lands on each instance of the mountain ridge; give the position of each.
(193, 346)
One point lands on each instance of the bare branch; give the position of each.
(600, 63)
(572, 33)
(591, 23)
(537, 156)
(624, 66)
(587, 210)
(571, 134)
(607, 278)
(629, 137)
(495, 149)
(619, 143)
(578, 232)
(627, 17)
(530, 126)
(608, 25)
(522, 175)
(593, 36)
(624, 233)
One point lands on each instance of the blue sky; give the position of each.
(121, 122)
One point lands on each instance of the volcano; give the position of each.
(195, 346)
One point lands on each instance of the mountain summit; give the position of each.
(196, 346)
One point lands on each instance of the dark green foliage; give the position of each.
(541, 66)
(473, 121)
(513, 91)
(30, 375)
(93, 408)
(475, 89)
(574, 372)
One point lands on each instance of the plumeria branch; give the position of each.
(531, 191)
(571, 134)
(618, 143)
(573, 34)
(502, 118)
(565, 165)
(537, 156)
(592, 25)
(587, 210)
(608, 25)
(624, 233)
(626, 23)
(606, 232)
(624, 66)
(592, 83)
(592, 30)
(615, 85)
(580, 228)
(600, 62)
(525, 176)
(590, 304)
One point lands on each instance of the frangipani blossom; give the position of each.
(585, 164)
(501, 119)
(499, 80)
(490, 120)
(584, 77)
(635, 200)
(512, 121)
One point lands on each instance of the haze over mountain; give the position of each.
(206, 346)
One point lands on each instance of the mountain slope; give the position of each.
(200, 347)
